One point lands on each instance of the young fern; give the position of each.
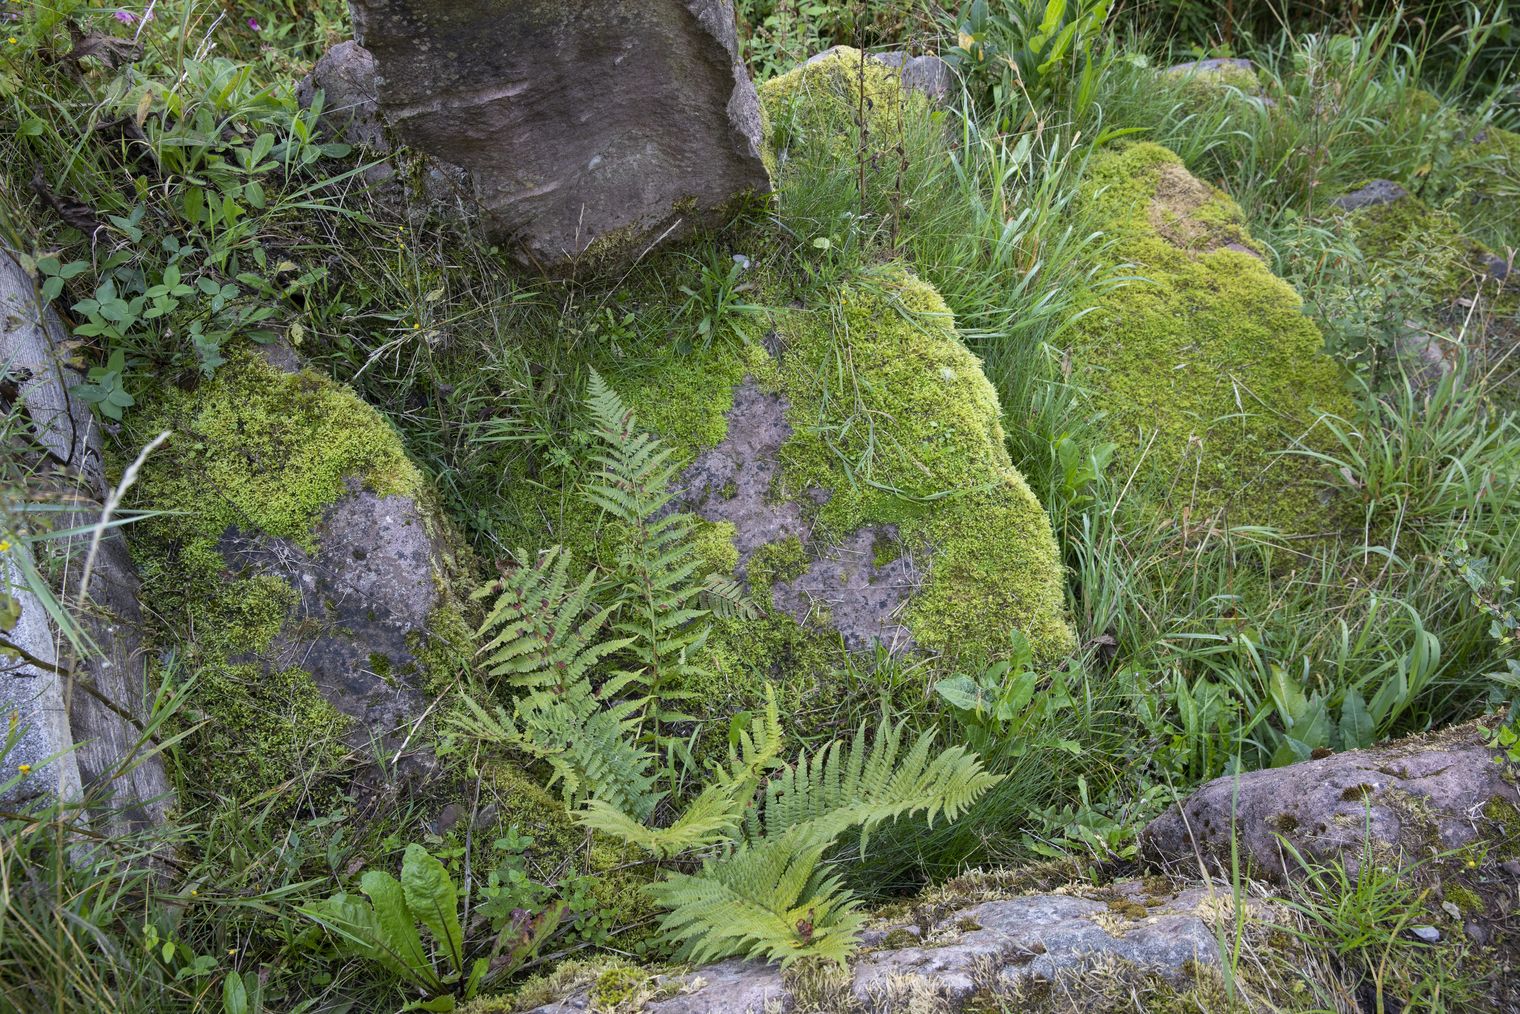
(660, 597)
(589, 744)
(770, 900)
(537, 635)
(765, 893)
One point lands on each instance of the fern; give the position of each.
(661, 597)
(715, 816)
(540, 638)
(765, 894)
(589, 745)
(863, 786)
(766, 900)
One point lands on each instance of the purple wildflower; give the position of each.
(125, 17)
(254, 25)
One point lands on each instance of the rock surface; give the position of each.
(105, 704)
(980, 952)
(345, 75)
(1213, 65)
(592, 131)
(929, 76)
(1410, 797)
(1375, 193)
(366, 592)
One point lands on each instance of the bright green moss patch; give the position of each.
(783, 560)
(837, 105)
(264, 729)
(893, 415)
(260, 451)
(1206, 368)
(264, 451)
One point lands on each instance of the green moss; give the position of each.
(262, 451)
(715, 547)
(259, 451)
(831, 102)
(877, 378)
(263, 730)
(445, 651)
(1461, 896)
(1206, 368)
(785, 560)
(1426, 245)
(1504, 828)
(619, 989)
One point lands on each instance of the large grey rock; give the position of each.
(106, 700)
(978, 952)
(592, 130)
(1399, 799)
(346, 77)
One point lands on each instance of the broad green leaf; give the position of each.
(431, 896)
(1356, 722)
(397, 923)
(234, 995)
(354, 922)
(960, 692)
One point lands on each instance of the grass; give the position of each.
(1204, 650)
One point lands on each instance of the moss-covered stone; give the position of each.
(1205, 366)
(1427, 245)
(840, 104)
(256, 458)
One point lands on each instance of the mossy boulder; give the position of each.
(298, 559)
(848, 111)
(1472, 301)
(848, 458)
(1207, 371)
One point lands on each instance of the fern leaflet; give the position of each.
(539, 636)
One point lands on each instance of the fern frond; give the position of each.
(715, 815)
(659, 589)
(726, 598)
(712, 818)
(589, 746)
(755, 750)
(766, 900)
(540, 632)
(865, 784)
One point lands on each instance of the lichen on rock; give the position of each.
(1208, 373)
